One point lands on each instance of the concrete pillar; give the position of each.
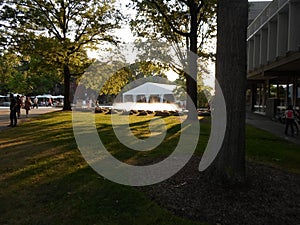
(294, 26)
(287, 94)
(263, 46)
(272, 41)
(267, 85)
(295, 90)
(250, 54)
(253, 96)
(264, 96)
(256, 54)
(297, 105)
(260, 97)
(282, 34)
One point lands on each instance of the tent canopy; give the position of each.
(150, 89)
(58, 96)
(44, 96)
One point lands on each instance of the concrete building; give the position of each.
(273, 71)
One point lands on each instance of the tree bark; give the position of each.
(191, 77)
(232, 15)
(67, 78)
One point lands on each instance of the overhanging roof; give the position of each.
(282, 66)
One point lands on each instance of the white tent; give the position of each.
(44, 96)
(58, 96)
(150, 92)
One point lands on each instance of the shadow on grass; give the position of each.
(74, 194)
(45, 180)
(141, 130)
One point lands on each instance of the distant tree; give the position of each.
(8, 62)
(72, 24)
(21, 76)
(44, 63)
(131, 73)
(187, 24)
(102, 77)
(204, 92)
(34, 72)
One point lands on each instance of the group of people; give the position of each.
(15, 108)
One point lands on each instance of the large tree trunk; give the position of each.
(191, 77)
(67, 78)
(229, 165)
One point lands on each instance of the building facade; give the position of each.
(273, 46)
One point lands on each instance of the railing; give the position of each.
(264, 16)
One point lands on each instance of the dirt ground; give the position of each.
(270, 197)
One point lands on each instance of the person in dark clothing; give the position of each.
(19, 105)
(27, 106)
(13, 111)
(289, 120)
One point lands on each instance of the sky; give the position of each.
(126, 36)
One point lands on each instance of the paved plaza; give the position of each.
(4, 115)
(271, 126)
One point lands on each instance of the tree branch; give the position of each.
(200, 6)
(52, 27)
(168, 20)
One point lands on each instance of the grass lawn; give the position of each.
(45, 180)
(266, 148)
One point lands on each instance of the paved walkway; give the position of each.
(271, 126)
(4, 115)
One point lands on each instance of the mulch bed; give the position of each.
(269, 197)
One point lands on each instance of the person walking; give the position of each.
(13, 111)
(289, 120)
(35, 103)
(19, 106)
(27, 106)
(49, 102)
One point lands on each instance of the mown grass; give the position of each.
(265, 148)
(45, 180)
(139, 126)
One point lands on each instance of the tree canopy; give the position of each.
(70, 27)
(188, 24)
